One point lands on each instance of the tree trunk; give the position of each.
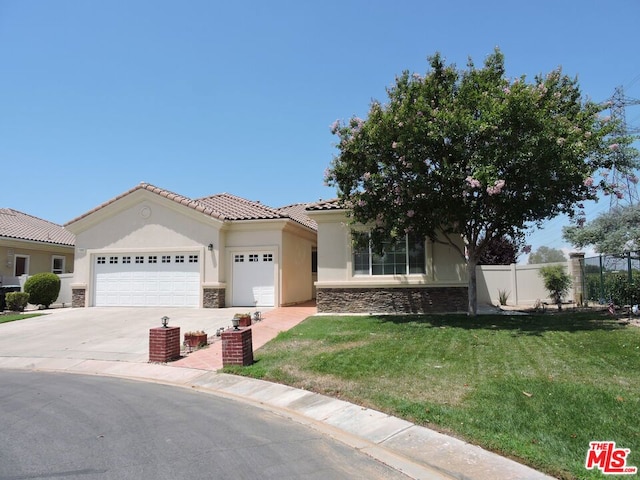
(473, 294)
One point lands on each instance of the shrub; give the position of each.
(503, 296)
(556, 281)
(43, 288)
(16, 301)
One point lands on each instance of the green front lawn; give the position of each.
(536, 388)
(12, 317)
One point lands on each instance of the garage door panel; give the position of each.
(155, 280)
(253, 279)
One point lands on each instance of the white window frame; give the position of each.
(60, 270)
(371, 254)
(27, 261)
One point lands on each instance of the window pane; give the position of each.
(406, 256)
(360, 253)
(417, 257)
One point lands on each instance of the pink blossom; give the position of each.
(560, 141)
(620, 195)
(614, 147)
(606, 119)
(473, 183)
(497, 188)
(506, 90)
(410, 213)
(588, 182)
(416, 76)
(362, 203)
(419, 114)
(335, 126)
(633, 178)
(401, 124)
(526, 249)
(394, 145)
(366, 176)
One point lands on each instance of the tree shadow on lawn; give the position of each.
(533, 324)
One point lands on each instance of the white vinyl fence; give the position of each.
(64, 297)
(522, 283)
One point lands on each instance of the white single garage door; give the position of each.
(253, 279)
(144, 280)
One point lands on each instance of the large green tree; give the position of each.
(469, 153)
(612, 232)
(546, 255)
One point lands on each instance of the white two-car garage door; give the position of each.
(141, 280)
(253, 279)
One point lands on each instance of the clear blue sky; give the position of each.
(202, 97)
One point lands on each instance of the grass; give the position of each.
(534, 388)
(12, 317)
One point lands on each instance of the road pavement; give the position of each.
(114, 342)
(87, 427)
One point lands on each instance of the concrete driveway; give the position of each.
(113, 333)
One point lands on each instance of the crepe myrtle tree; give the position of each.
(470, 153)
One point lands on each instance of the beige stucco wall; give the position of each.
(40, 256)
(143, 221)
(297, 280)
(444, 265)
(291, 246)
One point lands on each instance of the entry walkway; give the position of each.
(273, 322)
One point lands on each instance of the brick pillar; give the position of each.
(164, 344)
(237, 347)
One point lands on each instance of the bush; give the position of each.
(43, 288)
(556, 281)
(16, 301)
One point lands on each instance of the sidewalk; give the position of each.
(418, 452)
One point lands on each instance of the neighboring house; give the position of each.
(415, 276)
(30, 245)
(152, 247)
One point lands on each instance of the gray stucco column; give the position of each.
(575, 271)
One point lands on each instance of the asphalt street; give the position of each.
(69, 426)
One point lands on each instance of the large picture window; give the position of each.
(405, 257)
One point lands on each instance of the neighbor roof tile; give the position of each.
(21, 226)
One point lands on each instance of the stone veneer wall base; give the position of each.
(392, 300)
(78, 297)
(213, 298)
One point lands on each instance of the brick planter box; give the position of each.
(195, 340)
(245, 320)
(237, 347)
(164, 344)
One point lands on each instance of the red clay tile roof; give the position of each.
(231, 207)
(297, 212)
(223, 206)
(18, 225)
(333, 204)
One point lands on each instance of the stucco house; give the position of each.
(153, 247)
(30, 245)
(418, 275)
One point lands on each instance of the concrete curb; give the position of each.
(418, 452)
